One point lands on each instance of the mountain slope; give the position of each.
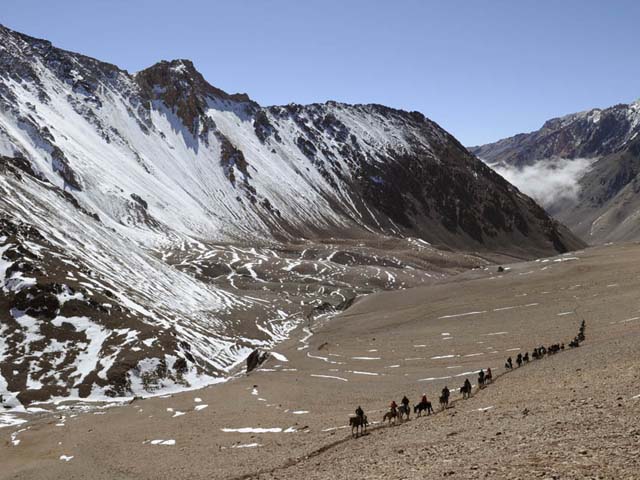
(156, 229)
(590, 164)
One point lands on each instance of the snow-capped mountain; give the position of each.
(583, 167)
(589, 134)
(155, 229)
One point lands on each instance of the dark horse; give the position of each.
(421, 407)
(465, 390)
(444, 401)
(358, 423)
(488, 378)
(404, 410)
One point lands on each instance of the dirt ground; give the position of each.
(571, 415)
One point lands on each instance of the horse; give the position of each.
(422, 406)
(465, 390)
(391, 414)
(553, 349)
(358, 423)
(402, 411)
(444, 401)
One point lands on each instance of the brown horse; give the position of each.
(391, 414)
(358, 423)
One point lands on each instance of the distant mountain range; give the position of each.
(583, 167)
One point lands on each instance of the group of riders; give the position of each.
(399, 411)
(541, 351)
(424, 405)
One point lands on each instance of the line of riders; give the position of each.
(399, 412)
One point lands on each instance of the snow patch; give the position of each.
(484, 409)
(163, 442)
(329, 376)
(462, 314)
(257, 430)
(279, 357)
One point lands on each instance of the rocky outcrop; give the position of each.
(184, 90)
(255, 359)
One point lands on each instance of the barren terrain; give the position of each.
(572, 415)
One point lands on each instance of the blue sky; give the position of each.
(482, 69)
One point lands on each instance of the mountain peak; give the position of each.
(181, 72)
(182, 88)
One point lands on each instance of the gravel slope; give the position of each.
(573, 415)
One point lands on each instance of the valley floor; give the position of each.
(572, 415)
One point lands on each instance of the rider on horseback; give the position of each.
(360, 413)
(405, 402)
(466, 388)
(393, 406)
(445, 394)
(481, 377)
(424, 400)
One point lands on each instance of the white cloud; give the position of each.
(547, 181)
